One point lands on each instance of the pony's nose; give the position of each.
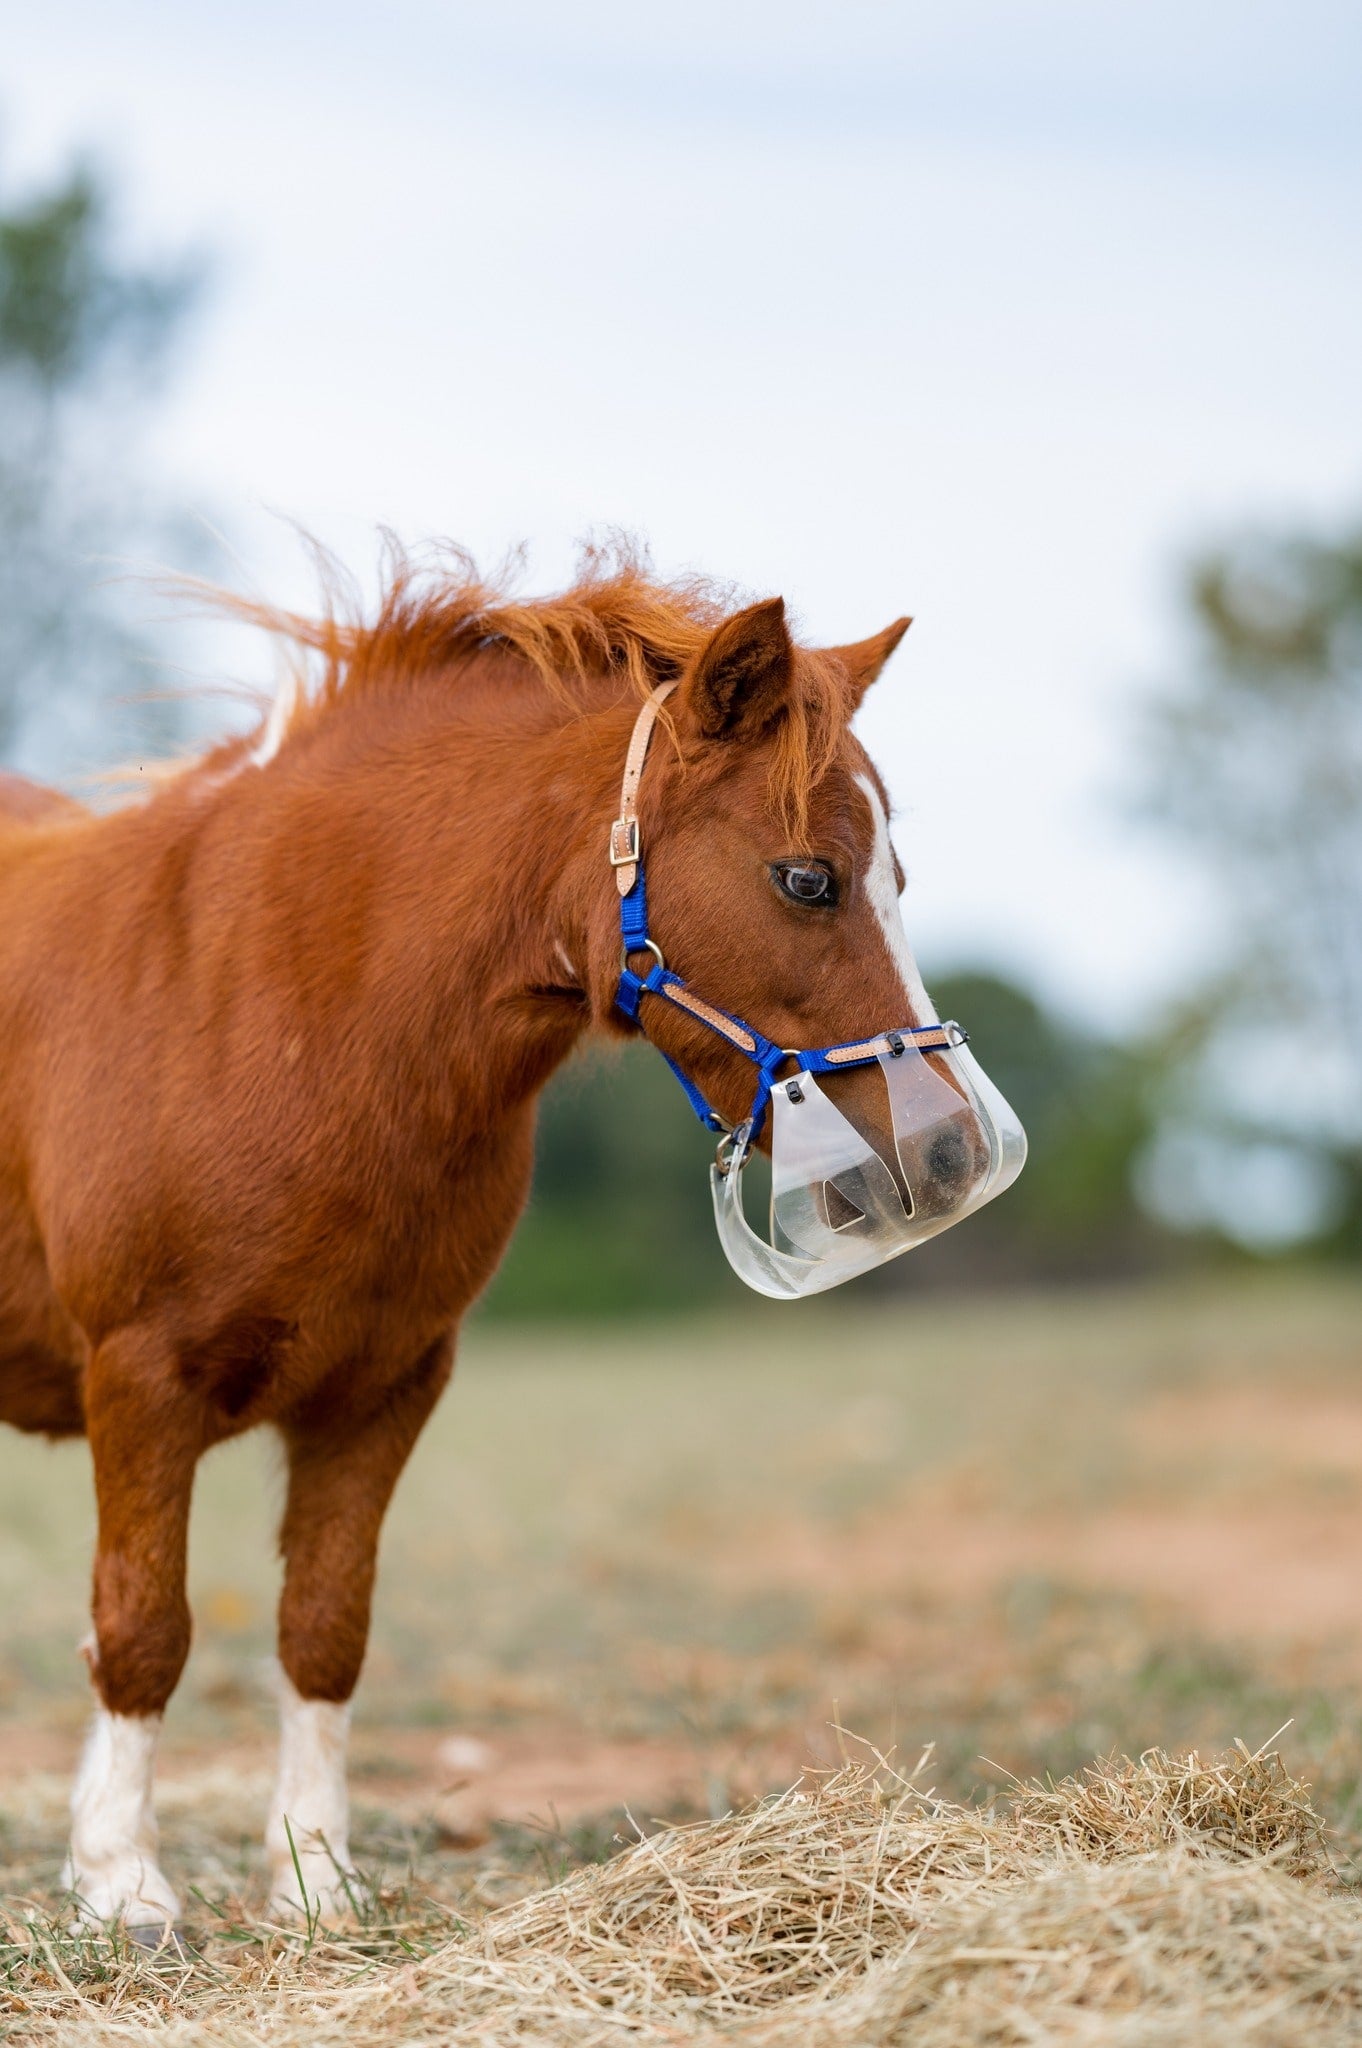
(943, 1164)
(949, 1155)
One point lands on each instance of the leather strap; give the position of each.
(624, 833)
(922, 1037)
(727, 1027)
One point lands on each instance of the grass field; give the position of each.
(655, 1570)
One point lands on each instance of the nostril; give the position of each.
(949, 1155)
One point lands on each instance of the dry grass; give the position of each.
(647, 1568)
(1169, 1900)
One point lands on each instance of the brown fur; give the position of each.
(274, 1037)
(23, 802)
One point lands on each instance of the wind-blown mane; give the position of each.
(436, 612)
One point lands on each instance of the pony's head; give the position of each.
(773, 886)
(773, 895)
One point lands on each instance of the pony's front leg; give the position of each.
(341, 1477)
(145, 1436)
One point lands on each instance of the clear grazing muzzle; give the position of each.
(838, 1206)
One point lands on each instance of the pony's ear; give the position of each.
(740, 680)
(864, 659)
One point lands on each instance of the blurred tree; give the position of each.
(1255, 759)
(84, 340)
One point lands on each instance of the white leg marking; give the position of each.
(112, 1865)
(310, 1796)
(884, 901)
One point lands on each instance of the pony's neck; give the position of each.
(465, 872)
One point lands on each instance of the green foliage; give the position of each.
(82, 334)
(1254, 758)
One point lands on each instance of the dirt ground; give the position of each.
(654, 1570)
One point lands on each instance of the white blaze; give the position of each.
(112, 1865)
(311, 1804)
(883, 893)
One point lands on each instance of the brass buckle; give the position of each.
(629, 827)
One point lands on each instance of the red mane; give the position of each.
(436, 612)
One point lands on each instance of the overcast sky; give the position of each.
(985, 313)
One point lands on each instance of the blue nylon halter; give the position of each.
(743, 1037)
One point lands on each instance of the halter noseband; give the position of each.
(626, 858)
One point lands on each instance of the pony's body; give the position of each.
(273, 1093)
(273, 1040)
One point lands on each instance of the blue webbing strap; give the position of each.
(710, 1118)
(660, 981)
(858, 1052)
(634, 919)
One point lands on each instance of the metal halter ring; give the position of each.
(732, 1147)
(650, 945)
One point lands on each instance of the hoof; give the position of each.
(129, 1893)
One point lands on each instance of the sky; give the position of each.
(989, 314)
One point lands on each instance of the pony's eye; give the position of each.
(806, 882)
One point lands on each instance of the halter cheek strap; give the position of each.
(626, 858)
(624, 833)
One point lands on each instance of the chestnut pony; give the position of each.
(273, 1039)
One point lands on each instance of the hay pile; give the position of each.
(1171, 1900)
